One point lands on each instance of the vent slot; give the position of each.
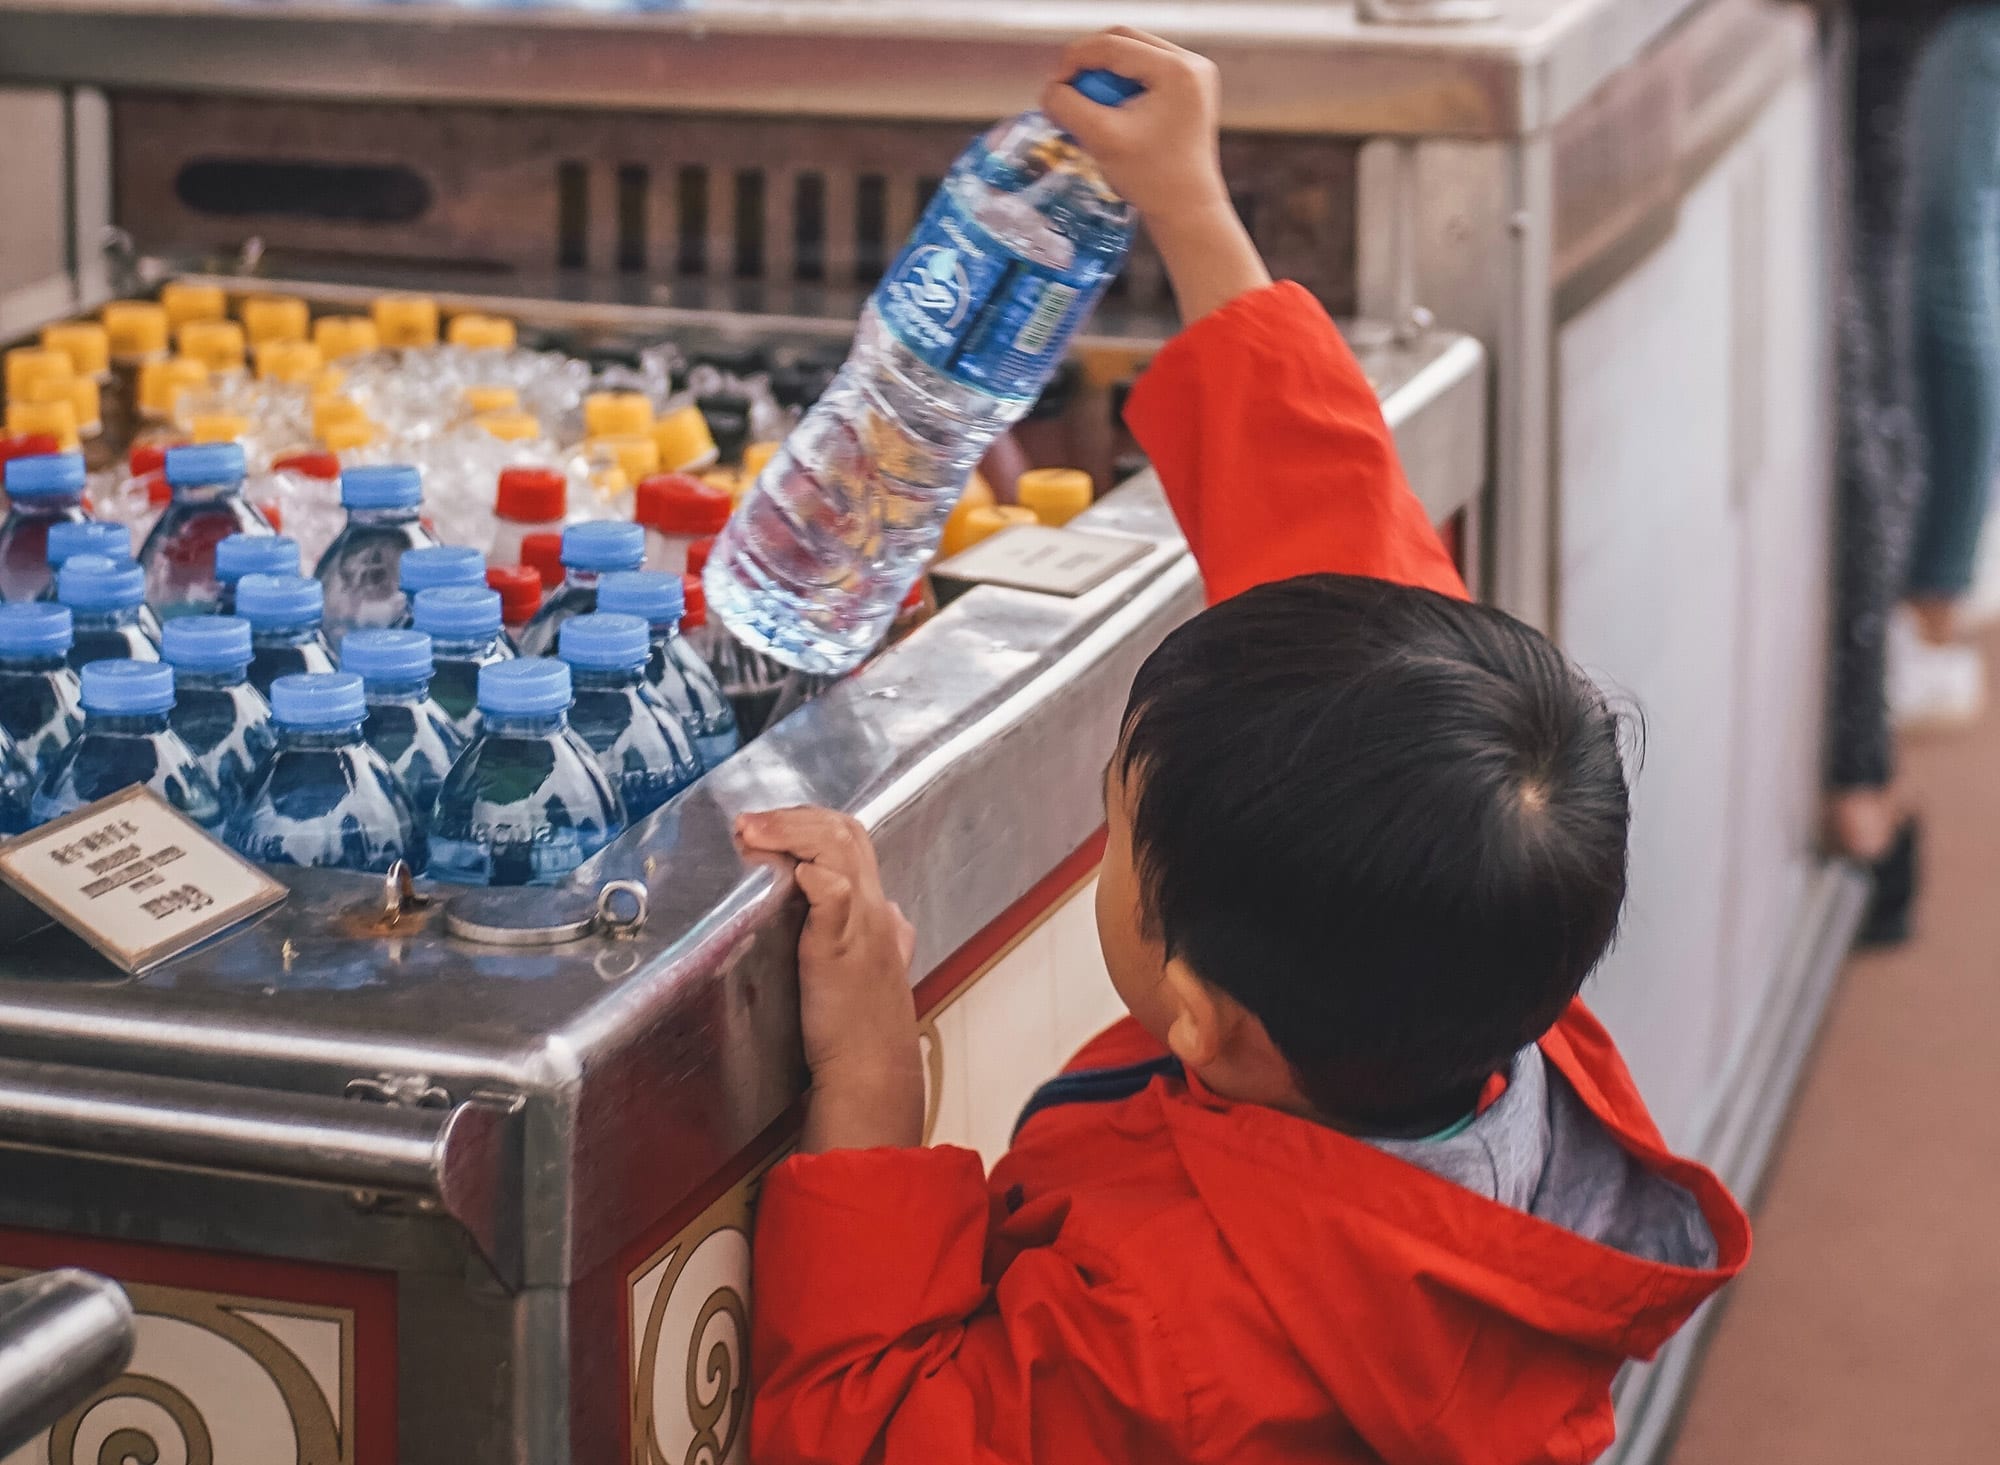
(809, 227)
(635, 190)
(749, 263)
(691, 206)
(241, 188)
(572, 216)
(871, 227)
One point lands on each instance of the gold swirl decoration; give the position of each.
(123, 1417)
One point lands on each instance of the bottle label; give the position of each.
(974, 309)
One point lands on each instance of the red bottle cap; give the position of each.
(696, 614)
(310, 465)
(28, 445)
(679, 503)
(520, 588)
(531, 496)
(542, 553)
(698, 554)
(146, 458)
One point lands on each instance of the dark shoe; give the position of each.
(1886, 922)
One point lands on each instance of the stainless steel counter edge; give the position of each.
(1290, 67)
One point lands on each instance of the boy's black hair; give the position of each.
(1389, 823)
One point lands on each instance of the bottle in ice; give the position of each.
(362, 568)
(41, 705)
(222, 718)
(105, 598)
(42, 492)
(251, 554)
(435, 568)
(208, 506)
(600, 547)
(463, 622)
(955, 344)
(415, 736)
(127, 739)
(525, 803)
(285, 640)
(639, 741)
(675, 672)
(324, 797)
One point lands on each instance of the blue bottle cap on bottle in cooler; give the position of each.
(255, 554)
(603, 545)
(92, 582)
(279, 602)
(532, 686)
(203, 464)
(206, 643)
(46, 476)
(651, 595)
(1106, 88)
(456, 612)
(128, 688)
(90, 536)
(604, 642)
(387, 655)
(440, 564)
(318, 699)
(381, 486)
(35, 628)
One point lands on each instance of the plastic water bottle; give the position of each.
(41, 705)
(17, 789)
(105, 598)
(285, 640)
(127, 739)
(675, 672)
(222, 718)
(415, 736)
(362, 568)
(639, 741)
(463, 622)
(251, 554)
(954, 346)
(101, 537)
(42, 492)
(324, 797)
(435, 568)
(526, 802)
(208, 507)
(588, 551)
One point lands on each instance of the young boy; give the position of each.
(1359, 1179)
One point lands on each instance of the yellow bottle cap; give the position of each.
(56, 419)
(329, 383)
(1056, 495)
(967, 527)
(406, 320)
(331, 409)
(352, 432)
(617, 414)
(216, 344)
(27, 365)
(294, 362)
(218, 427)
(81, 392)
(480, 400)
(610, 482)
(755, 456)
(637, 456)
(184, 302)
(686, 445)
(274, 318)
(510, 427)
(481, 332)
(344, 335)
(162, 382)
(136, 327)
(726, 479)
(84, 342)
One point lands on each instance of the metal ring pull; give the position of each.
(609, 922)
(399, 893)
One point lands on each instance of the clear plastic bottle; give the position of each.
(105, 598)
(674, 670)
(463, 622)
(437, 567)
(41, 705)
(17, 789)
(127, 739)
(208, 507)
(526, 802)
(219, 715)
(285, 639)
(677, 509)
(324, 797)
(588, 551)
(251, 554)
(362, 568)
(99, 537)
(42, 491)
(415, 736)
(639, 741)
(954, 346)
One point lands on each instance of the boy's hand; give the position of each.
(855, 1007)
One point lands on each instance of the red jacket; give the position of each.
(1170, 1276)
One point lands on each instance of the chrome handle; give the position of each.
(63, 1335)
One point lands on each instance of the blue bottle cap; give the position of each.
(1106, 88)
(128, 688)
(387, 655)
(206, 643)
(279, 602)
(47, 476)
(603, 545)
(441, 564)
(532, 686)
(255, 554)
(318, 699)
(651, 595)
(604, 642)
(91, 536)
(204, 464)
(90, 582)
(35, 628)
(456, 612)
(381, 486)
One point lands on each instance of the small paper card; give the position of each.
(136, 878)
(1052, 561)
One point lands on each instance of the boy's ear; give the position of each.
(1202, 1017)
